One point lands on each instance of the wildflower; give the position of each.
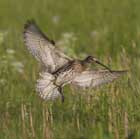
(67, 42)
(18, 66)
(94, 33)
(56, 19)
(2, 36)
(10, 51)
(2, 81)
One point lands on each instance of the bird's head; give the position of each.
(90, 59)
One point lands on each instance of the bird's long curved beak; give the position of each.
(98, 62)
(103, 65)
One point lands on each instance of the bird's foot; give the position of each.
(62, 95)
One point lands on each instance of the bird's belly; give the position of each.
(65, 77)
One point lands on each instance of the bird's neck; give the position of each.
(84, 62)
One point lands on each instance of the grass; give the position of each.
(109, 30)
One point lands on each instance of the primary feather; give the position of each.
(96, 78)
(42, 48)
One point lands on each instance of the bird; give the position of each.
(60, 69)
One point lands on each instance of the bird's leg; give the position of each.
(62, 95)
(59, 89)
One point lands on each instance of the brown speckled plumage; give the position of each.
(61, 69)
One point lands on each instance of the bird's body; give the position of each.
(61, 69)
(66, 73)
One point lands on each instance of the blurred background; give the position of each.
(108, 30)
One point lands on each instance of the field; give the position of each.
(108, 30)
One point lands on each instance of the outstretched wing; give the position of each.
(46, 88)
(96, 78)
(43, 48)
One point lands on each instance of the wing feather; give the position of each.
(96, 78)
(42, 48)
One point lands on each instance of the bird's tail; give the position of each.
(46, 88)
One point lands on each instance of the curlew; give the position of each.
(59, 69)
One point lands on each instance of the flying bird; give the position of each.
(60, 69)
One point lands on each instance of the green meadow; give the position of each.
(108, 30)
